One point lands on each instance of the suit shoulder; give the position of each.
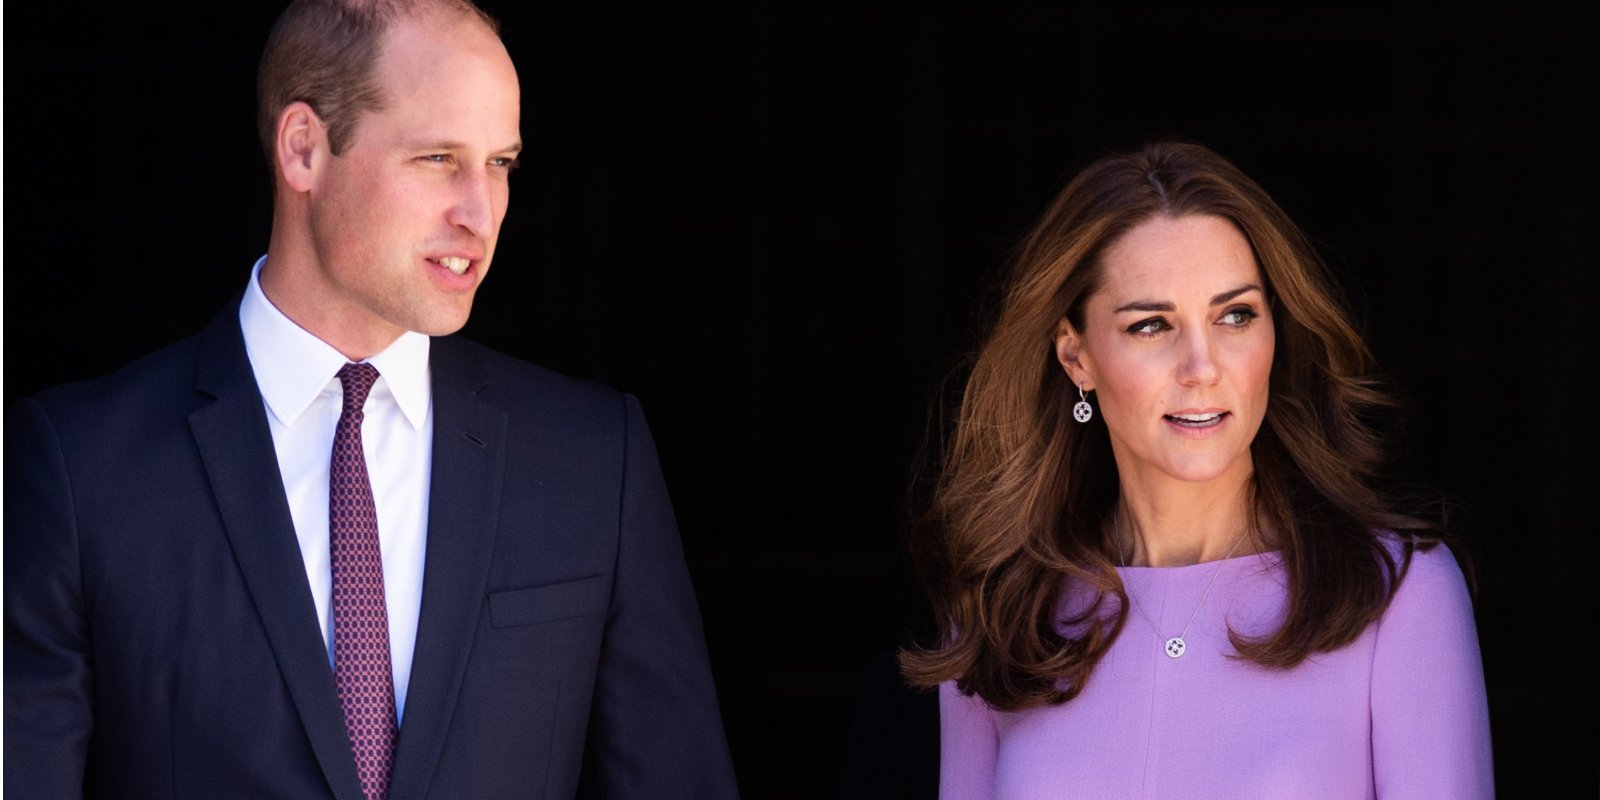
(162, 377)
(519, 385)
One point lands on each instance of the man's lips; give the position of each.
(458, 265)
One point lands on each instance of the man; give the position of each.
(480, 593)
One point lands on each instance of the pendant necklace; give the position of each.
(1176, 646)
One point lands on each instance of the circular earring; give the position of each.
(1082, 411)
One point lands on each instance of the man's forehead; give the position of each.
(438, 73)
(418, 38)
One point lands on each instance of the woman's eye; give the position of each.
(1239, 317)
(1148, 327)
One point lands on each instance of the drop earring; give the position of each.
(1082, 411)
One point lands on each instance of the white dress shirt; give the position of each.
(298, 377)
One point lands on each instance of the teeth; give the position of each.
(1195, 417)
(455, 264)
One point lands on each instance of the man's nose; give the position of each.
(473, 208)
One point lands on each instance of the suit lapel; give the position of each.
(236, 446)
(469, 451)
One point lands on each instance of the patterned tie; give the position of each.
(361, 671)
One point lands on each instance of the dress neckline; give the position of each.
(1266, 557)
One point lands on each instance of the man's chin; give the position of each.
(443, 330)
(443, 323)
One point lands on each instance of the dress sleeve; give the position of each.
(1430, 716)
(968, 745)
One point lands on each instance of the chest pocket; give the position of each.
(556, 601)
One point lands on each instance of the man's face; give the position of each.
(404, 222)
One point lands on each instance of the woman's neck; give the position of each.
(1178, 524)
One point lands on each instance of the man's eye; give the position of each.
(506, 163)
(437, 158)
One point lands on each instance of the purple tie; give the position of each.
(361, 667)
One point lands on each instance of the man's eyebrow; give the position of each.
(1155, 305)
(446, 144)
(436, 144)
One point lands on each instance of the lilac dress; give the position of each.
(1398, 713)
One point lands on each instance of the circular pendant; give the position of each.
(1082, 411)
(1175, 647)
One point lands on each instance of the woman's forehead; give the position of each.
(1177, 260)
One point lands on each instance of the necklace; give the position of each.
(1176, 646)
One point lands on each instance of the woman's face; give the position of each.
(1177, 343)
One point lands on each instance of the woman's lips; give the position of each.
(1196, 420)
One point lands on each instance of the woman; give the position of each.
(1163, 557)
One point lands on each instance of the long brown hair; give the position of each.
(1022, 496)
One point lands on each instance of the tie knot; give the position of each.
(357, 380)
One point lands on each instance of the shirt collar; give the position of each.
(292, 366)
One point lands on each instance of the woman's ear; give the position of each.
(1069, 352)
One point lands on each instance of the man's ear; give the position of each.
(1069, 352)
(301, 145)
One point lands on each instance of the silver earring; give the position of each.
(1082, 411)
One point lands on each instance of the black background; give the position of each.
(778, 224)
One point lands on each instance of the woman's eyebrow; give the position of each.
(1146, 305)
(1160, 305)
(1229, 295)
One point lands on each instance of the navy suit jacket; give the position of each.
(161, 641)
